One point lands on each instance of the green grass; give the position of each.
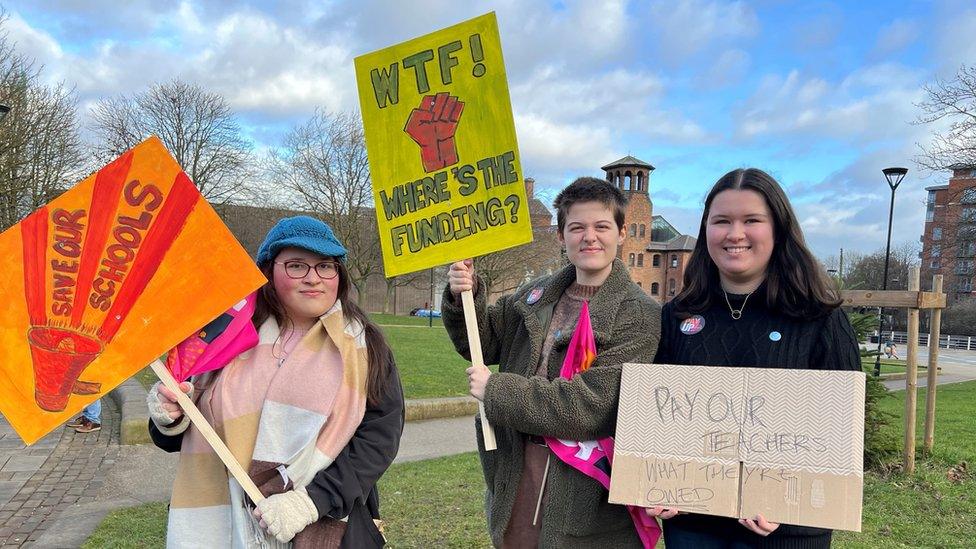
(888, 366)
(435, 503)
(925, 509)
(429, 366)
(142, 526)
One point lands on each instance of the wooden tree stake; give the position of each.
(911, 381)
(935, 331)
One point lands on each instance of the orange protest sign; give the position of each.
(106, 278)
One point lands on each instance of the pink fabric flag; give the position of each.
(594, 458)
(217, 343)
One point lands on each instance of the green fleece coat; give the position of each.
(627, 327)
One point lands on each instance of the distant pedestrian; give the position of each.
(90, 419)
(892, 350)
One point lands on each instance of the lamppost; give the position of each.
(894, 177)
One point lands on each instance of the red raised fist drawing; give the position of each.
(432, 126)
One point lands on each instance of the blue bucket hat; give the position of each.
(303, 232)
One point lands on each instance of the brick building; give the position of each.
(655, 252)
(949, 237)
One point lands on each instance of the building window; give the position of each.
(964, 267)
(937, 233)
(640, 260)
(633, 229)
(674, 261)
(654, 288)
(935, 264)
(936, 250)
(964, 284)
(969, 196)
(671, 287)
(967, 249)
(656, 260)
(642, 230)
(968, 214)
(931, 199)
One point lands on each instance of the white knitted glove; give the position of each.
(286, 514)
(161, 417)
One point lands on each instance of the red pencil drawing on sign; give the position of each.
(105, 270)
(432, 126)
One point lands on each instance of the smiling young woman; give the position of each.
(754, 296)
(314, 411)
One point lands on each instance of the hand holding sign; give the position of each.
(432, 126)
(460, 277)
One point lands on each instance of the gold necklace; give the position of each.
(737, 313)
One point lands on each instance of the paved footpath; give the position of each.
(64, 468)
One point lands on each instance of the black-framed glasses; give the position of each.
(299, 269)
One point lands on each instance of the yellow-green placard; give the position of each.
(444, 161)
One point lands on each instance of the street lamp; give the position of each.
(894, 177)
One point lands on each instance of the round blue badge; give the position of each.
(775, 336)
(692, 325)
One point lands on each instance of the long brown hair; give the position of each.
(380, 356)
(795, 282)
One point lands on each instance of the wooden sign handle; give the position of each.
(208, 432)
(474, 345)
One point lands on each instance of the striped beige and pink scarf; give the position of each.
(282, 423)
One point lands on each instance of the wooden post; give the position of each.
(474, 345)
(911, 381)
(208, 432)
(935, 327)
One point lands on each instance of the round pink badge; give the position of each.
(692, 325)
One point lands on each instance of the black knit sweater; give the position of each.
(761, 338)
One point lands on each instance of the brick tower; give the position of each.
(631, 176)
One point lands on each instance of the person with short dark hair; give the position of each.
(533, 500)
(753, 296)
(314, 412)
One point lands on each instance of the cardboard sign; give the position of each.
(104, 279)
(737, 442)
(444, 161)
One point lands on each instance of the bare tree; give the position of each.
(40, 149)
(323, 164)
(506, 270)
(196, 125)
(954, 102)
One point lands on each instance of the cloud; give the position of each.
(894, 37)
(685, 28)
(818, 32)
(729, 68)
(551, 146)
(875, 102)
(954, 36)
(30, 42)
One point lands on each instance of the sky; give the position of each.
(821, 95)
